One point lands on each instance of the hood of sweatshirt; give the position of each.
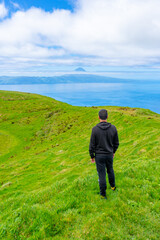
(104, 125)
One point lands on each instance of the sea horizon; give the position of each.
(120, 92)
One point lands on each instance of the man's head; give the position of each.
(103, 114)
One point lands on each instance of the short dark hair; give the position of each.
(103, 114)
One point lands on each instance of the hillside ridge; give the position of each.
(49, 188)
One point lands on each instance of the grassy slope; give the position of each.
(48, 185)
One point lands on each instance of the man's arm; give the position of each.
(115, 142)
(92, 145)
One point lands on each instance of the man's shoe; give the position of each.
(113, 188)
(103, 197)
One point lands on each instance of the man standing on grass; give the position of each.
(103, 145)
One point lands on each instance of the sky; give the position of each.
(44, 37)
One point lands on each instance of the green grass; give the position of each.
(49, 186)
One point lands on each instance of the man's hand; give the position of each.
(113, 155)
(92, 160)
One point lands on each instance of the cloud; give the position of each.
(3, 11)
(15, 5)
(97, 32)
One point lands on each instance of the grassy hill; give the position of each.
(48, 186)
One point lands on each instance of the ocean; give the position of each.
(139, 94)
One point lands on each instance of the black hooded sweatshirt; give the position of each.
(104, 139)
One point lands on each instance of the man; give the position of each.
(103, 145)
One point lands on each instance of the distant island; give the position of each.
(80, 69)
(67, 78)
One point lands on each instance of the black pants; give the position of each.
(104, 162)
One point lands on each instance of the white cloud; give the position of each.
(15, 5)
(102, 32)
(3, 11)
